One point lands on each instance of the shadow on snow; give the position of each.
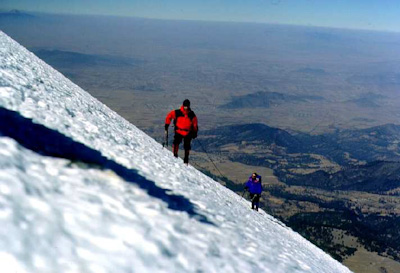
(48, 142)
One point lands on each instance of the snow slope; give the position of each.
(83, 190)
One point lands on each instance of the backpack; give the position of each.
(178, 113)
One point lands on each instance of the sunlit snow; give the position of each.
(83, 190)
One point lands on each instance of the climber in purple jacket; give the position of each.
(254, 186)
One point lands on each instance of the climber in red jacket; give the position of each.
(185, 122)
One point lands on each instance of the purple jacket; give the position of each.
(254, 186)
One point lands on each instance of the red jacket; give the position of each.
(185, 121)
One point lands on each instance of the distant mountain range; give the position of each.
(267, 99)
(369, 100)
(369, 158)
(377, 177)
(15, 14)
(343, 147)
(254, 132)
(68, 59)
(264, 99)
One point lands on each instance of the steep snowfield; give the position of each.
(117, 201)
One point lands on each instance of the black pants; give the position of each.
(186, 141)
(186, 145)
(255, 200)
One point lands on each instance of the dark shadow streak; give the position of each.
(48, 142)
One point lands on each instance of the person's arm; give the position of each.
(169, 118)
(195, 124)
(195, 127)
(259, 179)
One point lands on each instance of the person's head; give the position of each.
(186, 104)
(254, 176)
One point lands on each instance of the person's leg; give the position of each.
(187, 147)
(257, 201)
(252, 197)
(186, 158)
(175, 144)
(175, 149)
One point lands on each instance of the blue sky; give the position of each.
(359, 14)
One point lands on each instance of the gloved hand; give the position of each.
(194, 134)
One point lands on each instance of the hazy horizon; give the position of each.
(363, 15)
(198, 20)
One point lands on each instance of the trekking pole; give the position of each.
(215, 166)
(202, 147)
(165, 143)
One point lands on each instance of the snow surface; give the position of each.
(130, 206)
